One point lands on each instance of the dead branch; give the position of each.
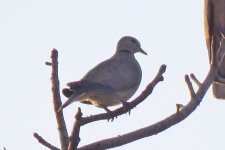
(44, 142)
(74, 138)
(159, 126)
(175, 118)
(181, 113)
(195, 79)
(63, 135)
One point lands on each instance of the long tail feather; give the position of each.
(73, 98)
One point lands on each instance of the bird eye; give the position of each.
(134, 41)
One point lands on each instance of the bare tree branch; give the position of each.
(63, 134)
(190, 87)
(44, 142)
(74, 138)
(159, 126)
(175, 118)
(181, 113)
(197, 82)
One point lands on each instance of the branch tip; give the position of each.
(48, 63)
(78, 114)
(190, 87)
(44, 142)
(54, 50)
(162, 69)
(179, 107)
(193, 77)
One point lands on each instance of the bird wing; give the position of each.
(120, 75)
(208, 15)
(119, 72)
(84, 86)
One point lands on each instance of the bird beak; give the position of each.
(143, 52)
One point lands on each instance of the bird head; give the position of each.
(130, 44)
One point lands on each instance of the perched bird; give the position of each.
(111, 82)
(214, 23)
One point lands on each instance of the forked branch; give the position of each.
(180, 114)
(175, 118)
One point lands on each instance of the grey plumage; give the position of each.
(112, 81)
(214, 23)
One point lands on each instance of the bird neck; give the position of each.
(124, 51)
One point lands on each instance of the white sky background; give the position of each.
(85, 33)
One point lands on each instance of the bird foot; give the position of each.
(110, 113)
(126, 106)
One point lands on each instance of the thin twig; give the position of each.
(190, 87)
(74, 138)
(193, 77)
(63, 134)
(44, 142)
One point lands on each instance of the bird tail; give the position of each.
(218, 90)
(73, 98)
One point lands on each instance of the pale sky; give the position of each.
(85, 33)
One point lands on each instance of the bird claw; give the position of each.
(126, 106)
(110, 113)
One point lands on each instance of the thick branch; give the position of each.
(159, 126)
(57, 102)
(63, 135)
(175, 118)
(132, 104)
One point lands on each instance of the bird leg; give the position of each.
(109, 112)
(126, 106)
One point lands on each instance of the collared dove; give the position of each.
(111, 82)
(214, 20)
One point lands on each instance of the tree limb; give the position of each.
(44, 142)
(197, 82)
(63, 134)
(181, 113)
(159, 126)
(175, 118)
(132, 104)
(74, 138)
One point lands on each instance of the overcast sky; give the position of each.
(85, 33)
